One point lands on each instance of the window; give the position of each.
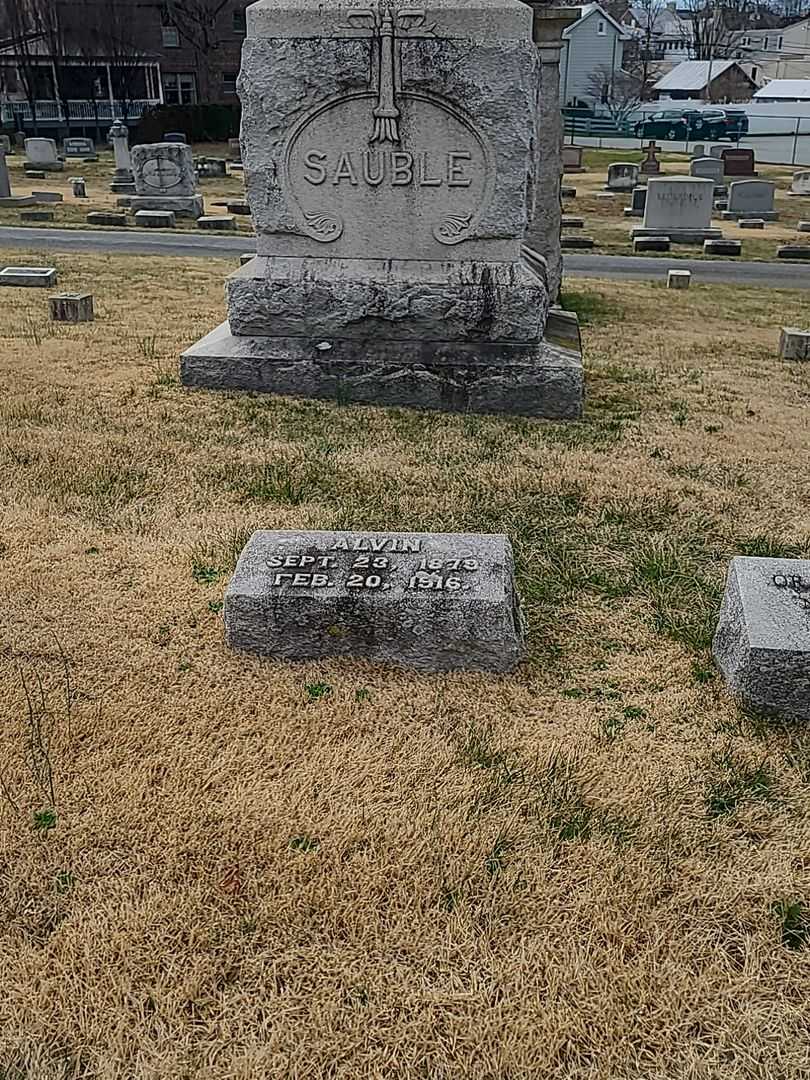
(179, 89)
(601, 28)
(766, 44)
(229, 82)
(171, 37)
(239, 21)
(779, 43)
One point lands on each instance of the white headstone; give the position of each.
(710, 168)
(751, 198)
(622, 176)
(41, 152)
(801, 183)
(119, 137)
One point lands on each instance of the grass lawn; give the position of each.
(605, 221)
(213, 866)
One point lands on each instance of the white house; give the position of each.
(595, 41)
(667, 41)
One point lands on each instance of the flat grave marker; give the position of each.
(427, 601)
(36, 277)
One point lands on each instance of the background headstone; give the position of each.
(175, 137)
(622, 176)
(572, 158)
(123, 182)
(794, 344)
(6, 144)
(42, 155)
(651, 166)
(751, 198)
(165, 179)
(738, 161)
(679, 207)
(72, 307)
(5, 182)
(762, 643)
(698, 150)
(800, 185)
(431, 602)
(710, 168)
(78, 147)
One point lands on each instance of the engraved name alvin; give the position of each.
(365, 564)
(454, 183)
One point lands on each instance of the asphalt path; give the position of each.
(776, 275)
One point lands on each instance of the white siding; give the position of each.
(585, 50)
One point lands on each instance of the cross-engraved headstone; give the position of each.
(165, 179)
(432, 601)
(762, 644)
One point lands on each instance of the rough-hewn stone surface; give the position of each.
(430, 602)
(164, 169)
(409, 300)
(762, 643)
(532, 380)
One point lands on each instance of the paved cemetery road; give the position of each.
(625, 267)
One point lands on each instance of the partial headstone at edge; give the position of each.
(762, 643)
(425, 601)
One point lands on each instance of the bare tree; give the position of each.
(641, 54)
(18, 30)
(619, 92)
(197, 23)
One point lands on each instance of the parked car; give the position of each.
(682, 124)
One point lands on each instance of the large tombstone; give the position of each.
(622, 176)
(800, 185)
(390, 198)
(165, 179)
(41, 154)
(79, 147)
(431, 602)
(739, 161)
(762, 643)
(710, 168)
(679, 207)
(751, 199)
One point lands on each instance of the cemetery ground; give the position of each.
(605, 221)
(214, 866)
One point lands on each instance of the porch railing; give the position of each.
(52, 112)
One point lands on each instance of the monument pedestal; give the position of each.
(540, 379)
(190, 206)
(680, 236)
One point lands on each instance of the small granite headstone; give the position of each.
(572, 158)
(76, 147)
(48, 196)
(165, 179)
(751, 198)
(234, 150)
(6, 144)
(722, 247)
(651, 166)
(638, 201)
(217, 223)
(155, 219)
(709, 168)
(42, 155)
(72, 307)
(36, 215)
(800, 185)
(794, 344)
(79, 187)
(762, 643)
(698, 150)
(431, 602)
(738, 162)
(717, 150)
(106, 217)
(793, 251)
(123, 182)
(622, 176)
(5, 182)
(175, 137)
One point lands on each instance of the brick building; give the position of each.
(77, 64)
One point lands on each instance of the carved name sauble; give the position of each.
(395, 130)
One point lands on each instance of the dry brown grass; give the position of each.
(575, 872)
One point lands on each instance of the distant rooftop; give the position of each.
(785, 90)
(693, 74)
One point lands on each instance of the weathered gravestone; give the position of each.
(165, 179)
(622, 176)
(5, 182)
(234, 150)
(41, 155)
(751, 198)
(651, 166)
(638, 201)
(432, 602)
(800, 185)
(77, 147)
(36, 277)
(762, 643)
(679, 207)
(709, 168)
(123, 182)
(175, 137)
(572, 158)
(716, 150)
(72, 307)
(794, 344)
(698, 151)
(390, 199)
(6, 144)
(738, 162)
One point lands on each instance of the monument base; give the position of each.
(190, 206)
(680, 236)
(123, 187)
(735, 215)
(540, 380)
